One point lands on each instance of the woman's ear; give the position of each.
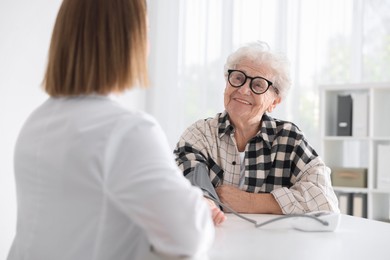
(271, 107)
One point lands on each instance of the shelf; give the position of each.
(346, 138)
(380, 191)
(346, 152)
(370, 108)
(350, 189)
(381, 108)
(360, 190)
(381, 138)
(353, 138)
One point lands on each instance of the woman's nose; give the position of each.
(245, 89)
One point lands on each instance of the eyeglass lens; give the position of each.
(238, 79)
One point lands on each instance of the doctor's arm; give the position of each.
(151, 190)
(194, 166)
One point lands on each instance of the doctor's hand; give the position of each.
(216, 213)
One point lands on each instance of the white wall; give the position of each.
(25, 29)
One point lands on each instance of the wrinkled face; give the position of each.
(242, 104)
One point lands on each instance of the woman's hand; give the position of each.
(235, 198)
(216, 213)
(247, 202)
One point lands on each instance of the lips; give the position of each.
(242, 101)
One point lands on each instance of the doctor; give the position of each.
(94, 180)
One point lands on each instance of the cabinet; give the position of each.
(359, 150)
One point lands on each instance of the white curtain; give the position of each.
(327, 41)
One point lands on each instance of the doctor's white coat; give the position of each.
(96, 181)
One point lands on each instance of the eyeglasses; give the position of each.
(258, 85)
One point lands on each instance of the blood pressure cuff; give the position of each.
(200, 177)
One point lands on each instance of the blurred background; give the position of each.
(326, 41)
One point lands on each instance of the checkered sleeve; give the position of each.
(311, 188)
(194, 148)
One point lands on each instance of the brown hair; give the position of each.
(97, 46)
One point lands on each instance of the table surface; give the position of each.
(355, 238)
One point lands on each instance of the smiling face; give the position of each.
(242, 104)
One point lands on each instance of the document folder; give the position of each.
(344, 115)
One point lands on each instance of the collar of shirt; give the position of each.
(267, 130)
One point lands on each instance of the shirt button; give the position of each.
(234, 162)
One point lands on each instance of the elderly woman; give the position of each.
(247, 159)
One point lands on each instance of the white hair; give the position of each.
(260, 54)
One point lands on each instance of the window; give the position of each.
(327, 41)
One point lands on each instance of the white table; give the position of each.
(355, 239)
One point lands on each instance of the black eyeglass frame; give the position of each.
(250, 83)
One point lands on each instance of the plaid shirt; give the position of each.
(278, 160)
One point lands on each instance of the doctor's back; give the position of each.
(94, 180)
